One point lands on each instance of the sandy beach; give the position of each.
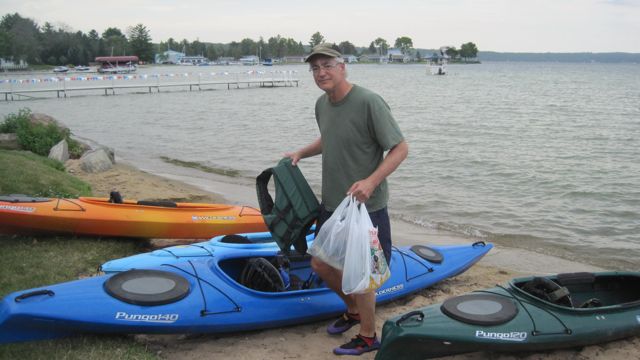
(310, 341)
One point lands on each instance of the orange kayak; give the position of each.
(143, 219)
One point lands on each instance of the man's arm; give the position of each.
(363, 189)
(310, 150)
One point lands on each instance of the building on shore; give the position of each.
(194, 60)
(350, 59)
(293, 59)
(9, 65)
(374, 58)
(169, 57)
(249, 60)
(396, 56)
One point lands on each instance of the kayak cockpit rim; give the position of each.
(589, 292)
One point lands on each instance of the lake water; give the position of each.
(541, 156)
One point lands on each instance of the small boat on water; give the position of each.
(437, 64)
(81, 68)
(60, 69)
(117, 64)
(528, 314)
(125, 218)
(235, 288)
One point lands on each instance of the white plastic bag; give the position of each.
(330, 244)
(365, 267)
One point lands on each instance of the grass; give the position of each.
(81, 348)
(44, 260)
(27, 173)
(34, 261)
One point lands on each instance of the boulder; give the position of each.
(60, 151)
(110, 152)
(9, 141)
(97, 160)
(44, 119)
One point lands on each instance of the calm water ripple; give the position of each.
(536, 155)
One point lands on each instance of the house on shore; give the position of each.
(169, 57)
(193, 60)
(226, 60)
(349, 59)
(396, 56)
(294, 59)
(9, 65)
(374, 58)
(249, 60)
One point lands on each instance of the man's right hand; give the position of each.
(294, 156)
(312, 149)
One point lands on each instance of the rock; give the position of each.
(44, 119)
(60, 151)
(9, 141)
(96, 160)
(110, 152)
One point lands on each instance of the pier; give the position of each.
(64, 86)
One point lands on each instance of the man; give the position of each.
(356, 128)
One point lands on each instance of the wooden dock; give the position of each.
(110, 89)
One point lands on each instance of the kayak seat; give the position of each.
(115, 197)
(546, 289)
(577, 278)
(235, 239)
(160, 203)
(260, 274)
(591, 303)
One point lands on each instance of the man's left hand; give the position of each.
(362, 190)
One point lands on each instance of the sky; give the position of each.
(493, 25)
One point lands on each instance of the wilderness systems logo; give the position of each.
(212, 218)
(507, 336)
(18, 208)
(156, 318)
(390, 290)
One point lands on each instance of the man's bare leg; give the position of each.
(366, 304)
(333, 278)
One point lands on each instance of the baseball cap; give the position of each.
(323, 49)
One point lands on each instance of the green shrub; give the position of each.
(38, 138)
(75, 149)
(13, 121)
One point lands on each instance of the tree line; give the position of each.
(23, 39)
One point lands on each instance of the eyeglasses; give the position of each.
(328, 66)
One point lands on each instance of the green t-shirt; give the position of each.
(355, 133)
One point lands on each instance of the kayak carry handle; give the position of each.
(479, 243)
(407, 316)
(34, 293)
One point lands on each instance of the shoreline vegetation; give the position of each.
(31, 261)
(27, 43)
(201, 167)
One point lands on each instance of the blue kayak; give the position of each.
(228, 290)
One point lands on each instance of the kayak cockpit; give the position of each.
(583, 290)
(274, 274)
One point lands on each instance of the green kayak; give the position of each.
(528, 314)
